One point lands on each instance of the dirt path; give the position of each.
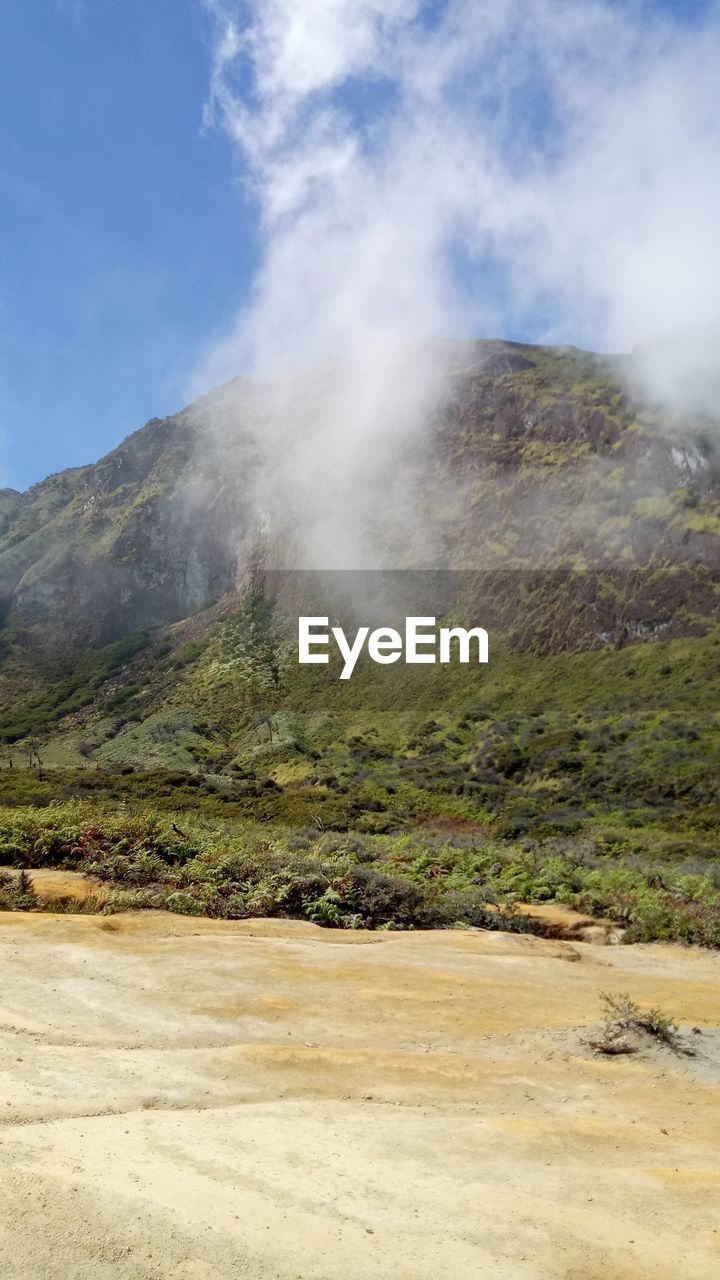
(192, 1099)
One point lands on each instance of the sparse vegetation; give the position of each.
(624, 1013)
(622, 1016)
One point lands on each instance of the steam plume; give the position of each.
(524, 168)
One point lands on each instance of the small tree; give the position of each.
(24, 897)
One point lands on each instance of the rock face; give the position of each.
(142, 538)
(529, 457)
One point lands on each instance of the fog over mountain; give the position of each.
(523, 458)
(425, 172)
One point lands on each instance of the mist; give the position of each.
(429, 172)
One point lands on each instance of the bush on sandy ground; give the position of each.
(623, 1017)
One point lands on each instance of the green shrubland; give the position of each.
(149, 859)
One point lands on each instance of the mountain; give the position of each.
(149, 600)
(526, 457)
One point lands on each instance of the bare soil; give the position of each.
(197, 1099)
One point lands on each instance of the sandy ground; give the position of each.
(194, 1099)
(51, 884)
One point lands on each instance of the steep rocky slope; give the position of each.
(524, 457)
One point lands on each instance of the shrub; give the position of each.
(325, 910)
(379, 898)
(623, 1013)
(232, 907)
(184, 904)
(17, 892)
(12, 854)
(134, 900)
(25, 896)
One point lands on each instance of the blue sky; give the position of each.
(124, 240)
(126, 245)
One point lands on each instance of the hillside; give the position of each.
(150, 606)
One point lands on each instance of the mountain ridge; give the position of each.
(161, 525)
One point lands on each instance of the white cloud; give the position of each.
(602, 215)
(566, 155)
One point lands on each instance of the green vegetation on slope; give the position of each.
(410, 880)
(585, 778)
(39, 713)
(584, 760)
